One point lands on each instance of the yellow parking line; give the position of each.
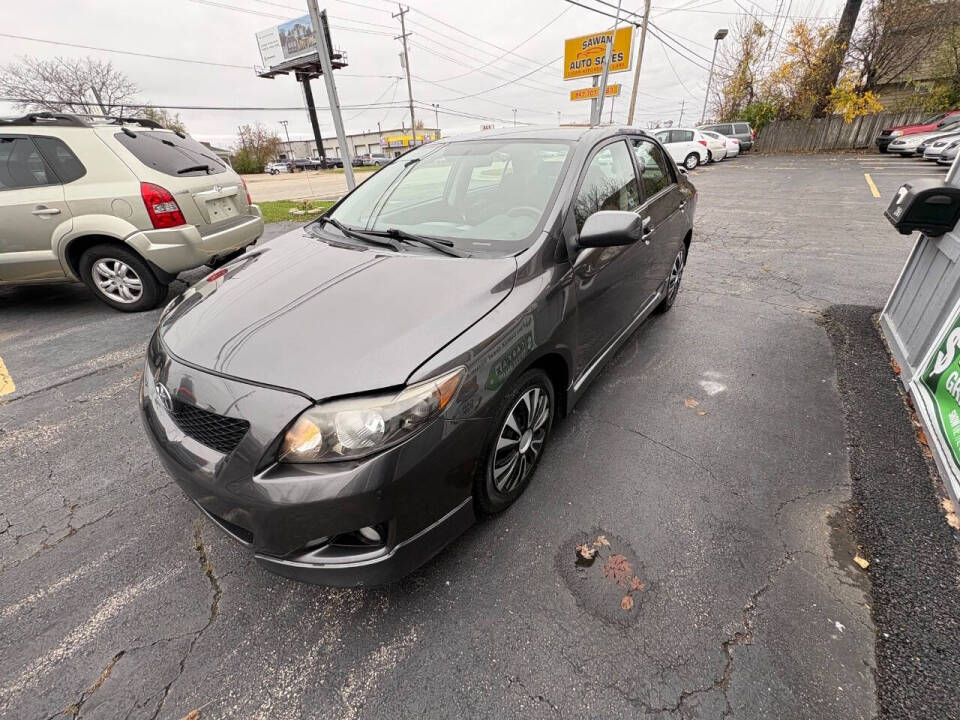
(871, 185)
(6, 382)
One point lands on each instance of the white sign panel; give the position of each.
(284, 42)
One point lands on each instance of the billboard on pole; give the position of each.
(292, 39)
(583, 56)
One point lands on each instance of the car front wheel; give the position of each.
(691, 161)
(121, 279)
(673, 282)
(522, 427)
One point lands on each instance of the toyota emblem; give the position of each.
(163, 395)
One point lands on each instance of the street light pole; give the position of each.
(436, 116)
(514, 117)
(718, 36)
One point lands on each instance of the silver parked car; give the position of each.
(121, 204)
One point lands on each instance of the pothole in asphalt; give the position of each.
(604, 575)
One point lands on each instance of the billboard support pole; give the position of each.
(606, 69)
(320, 32)
(312, 112)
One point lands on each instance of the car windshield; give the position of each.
(486, 196)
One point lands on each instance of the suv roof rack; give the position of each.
(77, 120)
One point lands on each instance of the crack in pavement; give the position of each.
(207, 566)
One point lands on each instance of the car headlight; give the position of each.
(356, 427)
(896, 133)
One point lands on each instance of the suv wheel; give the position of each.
(121, 279)
(691, 161)
(520, 433)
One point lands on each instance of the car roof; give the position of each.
(546, 132)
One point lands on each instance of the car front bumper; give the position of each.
(302, 521)
(185, 247)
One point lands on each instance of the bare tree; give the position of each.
(169, 120)
(77, 85)
(742, 64)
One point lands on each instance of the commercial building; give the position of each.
(389, 142)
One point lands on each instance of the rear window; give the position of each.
(742, 129)
(65, 164)
(171, 154)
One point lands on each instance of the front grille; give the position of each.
(219, 432)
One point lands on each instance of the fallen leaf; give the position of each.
(701, 413)
(601, 540)
(617, 568)
(922, 437)
(192, 715)
(862, 562)
(626, 603)
(635, 584)
(690, 403)
(586, 552)
(765, 268)
(895, 365)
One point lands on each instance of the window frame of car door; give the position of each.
(644, 200)
(51, 173)
(570, 232)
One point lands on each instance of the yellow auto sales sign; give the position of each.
(583, 56)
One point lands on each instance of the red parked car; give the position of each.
(929, 125)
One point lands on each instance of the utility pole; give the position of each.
(606, 68)
(406, 69)
(682, 103)
(514, 117)
(287, 132)
(717, 37)
(612, 98)
(558, 117)
(636, 72)
(319, 21)
(436, 116)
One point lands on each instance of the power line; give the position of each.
(144, 106)
(600, 12)
(497, 87)
(663, 46)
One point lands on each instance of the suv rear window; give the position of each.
(742, 129)
(171, 154)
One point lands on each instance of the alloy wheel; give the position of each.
(691, 162)
(676, 275)
(117, 280)
(520, 441)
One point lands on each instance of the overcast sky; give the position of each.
(458, 48)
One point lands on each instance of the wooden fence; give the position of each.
(830, 133)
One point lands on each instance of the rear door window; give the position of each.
(65, 164)
(171, 154)
(742, 129)
(683, 135)
(22, 165)
(655, 173)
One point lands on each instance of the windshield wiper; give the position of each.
(444, 246)
(356, 235)
(194, 168)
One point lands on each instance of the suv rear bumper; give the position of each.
(185, 247)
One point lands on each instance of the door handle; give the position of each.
(42, 211)
(647, 231)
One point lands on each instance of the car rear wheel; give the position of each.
(691, 161)
(673, 281)
(121, 278)
(522, 427)
(882, 148)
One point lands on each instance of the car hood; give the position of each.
(300, 314)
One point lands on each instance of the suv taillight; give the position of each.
(247, 191)
(702, 142)
(753, 133)
(161, 207)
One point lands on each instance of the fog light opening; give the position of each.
(371, 534)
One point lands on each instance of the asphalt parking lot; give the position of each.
(711, 451)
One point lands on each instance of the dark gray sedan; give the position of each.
(346, 398)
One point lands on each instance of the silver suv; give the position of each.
(121, 204)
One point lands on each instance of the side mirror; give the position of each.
(926, 204)
(608, 228)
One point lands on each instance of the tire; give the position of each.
(499, 483)
(882, 148)
(673, 282)
(709, 157)
(102, 264)
(691, 161)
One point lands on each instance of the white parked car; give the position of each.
(687, 147)
(731, 145)
(275, 168)
(907, 145)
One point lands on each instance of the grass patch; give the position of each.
(279, 210)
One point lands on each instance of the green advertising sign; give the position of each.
(941, 379)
